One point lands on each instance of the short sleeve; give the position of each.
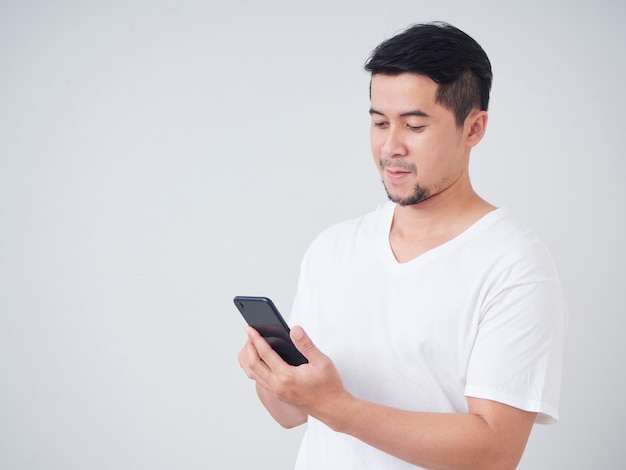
(305, 299)
(517, 358)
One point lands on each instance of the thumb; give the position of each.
(303, 342)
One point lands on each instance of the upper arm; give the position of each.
(509, 426)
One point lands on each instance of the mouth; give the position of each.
(395, 173)
(397, 169)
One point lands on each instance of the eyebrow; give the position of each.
(414, 112)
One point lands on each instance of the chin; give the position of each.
(419, 194)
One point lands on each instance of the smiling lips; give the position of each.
(396, 169)
(396, 173)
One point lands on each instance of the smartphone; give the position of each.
(262, 315)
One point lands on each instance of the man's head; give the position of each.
(447, 56)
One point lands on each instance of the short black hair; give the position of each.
(446, 55)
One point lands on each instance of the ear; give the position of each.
(475, 126)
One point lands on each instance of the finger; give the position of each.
(270, 357)
(248, 354)
(250, 361)
(304, 343)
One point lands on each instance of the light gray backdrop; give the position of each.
(159, 157)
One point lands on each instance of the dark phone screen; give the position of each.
(263, 316)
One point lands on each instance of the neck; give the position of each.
(421, 227)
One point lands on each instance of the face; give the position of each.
(418, 147)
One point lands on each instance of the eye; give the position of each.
(415, 128)
(379, 124)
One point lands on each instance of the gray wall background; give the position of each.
(159, 157)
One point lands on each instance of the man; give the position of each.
(435, 324)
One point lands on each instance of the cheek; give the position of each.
(432, 148)
(374, 142)
(375, 146)
(376, 160)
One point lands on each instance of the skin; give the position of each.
(415, 141)
(421, 154)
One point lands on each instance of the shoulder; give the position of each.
(366, 226)
(514, 246)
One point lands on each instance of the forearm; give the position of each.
(434, 440)
(286, 415)
(490, 436)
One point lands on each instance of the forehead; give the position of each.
(398, 93)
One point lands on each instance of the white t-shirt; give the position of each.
(481, 316)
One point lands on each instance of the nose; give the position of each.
(393, 144)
